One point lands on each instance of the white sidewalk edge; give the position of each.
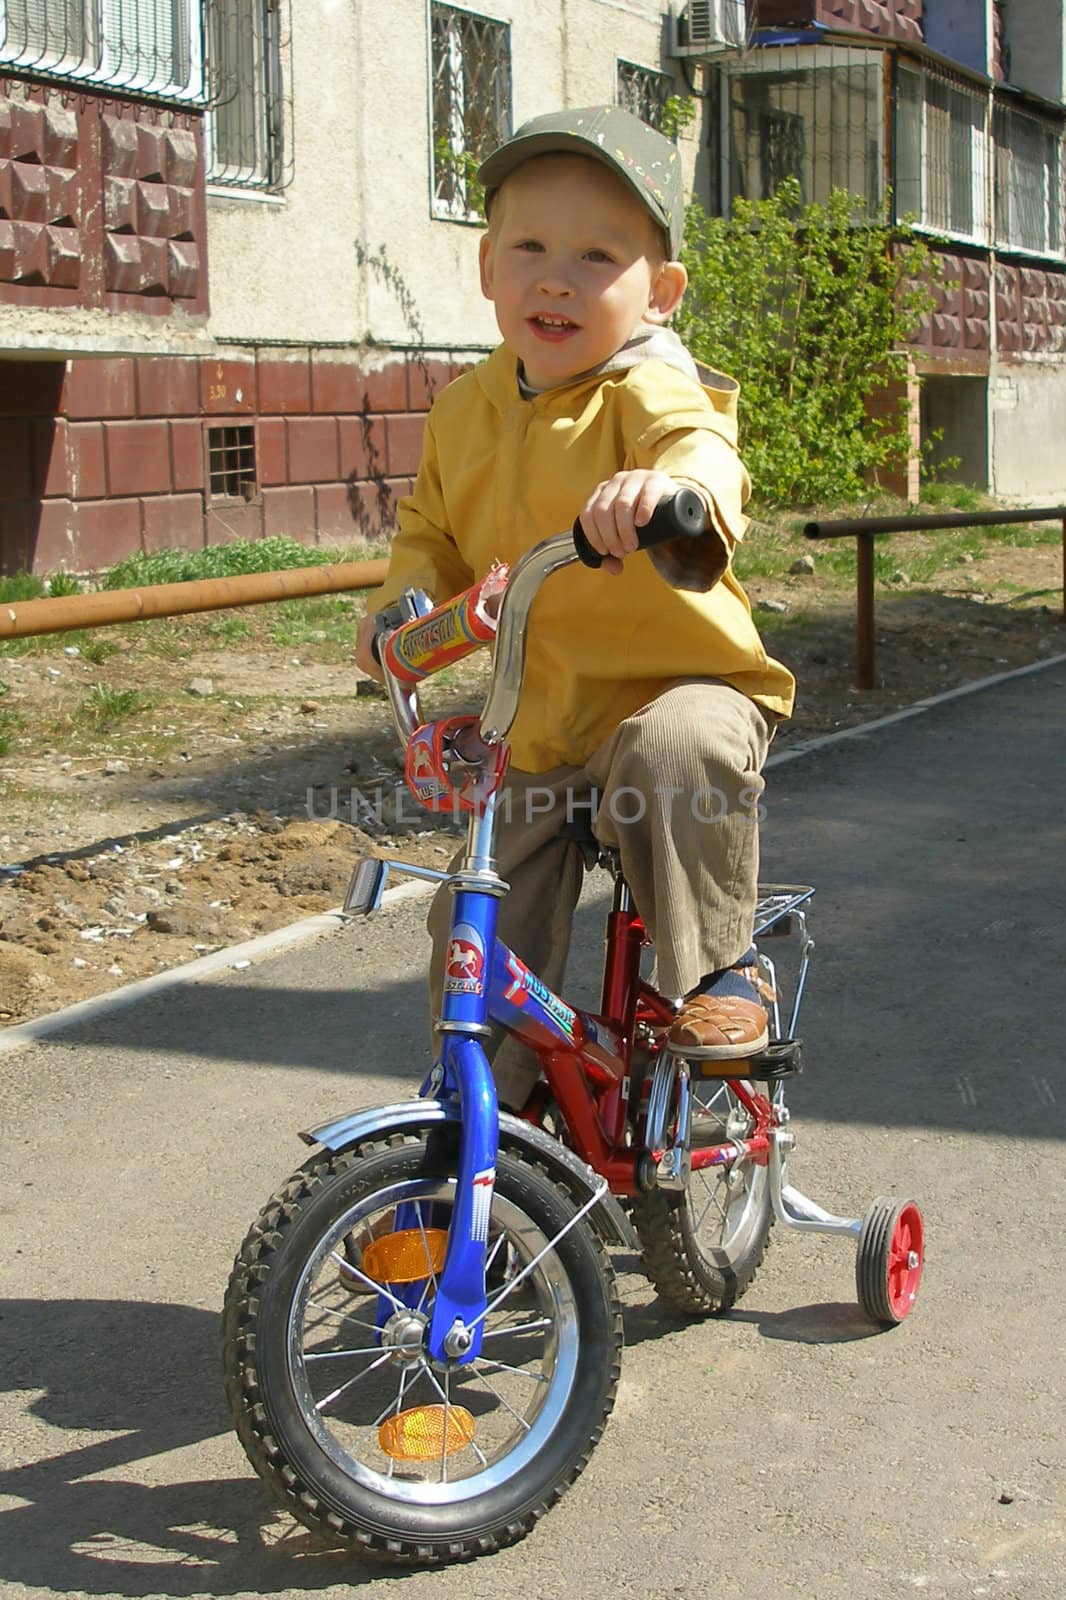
(25, 1033)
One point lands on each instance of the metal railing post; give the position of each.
(864, 530)
(864, 611)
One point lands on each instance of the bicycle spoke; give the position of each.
(482, 1457)
(502, 1366)
(712, 1200)
(376, 1288)
(341, 1316)
(431, 1281)
(517, 1327)
(332, 1355)
(328, 1399)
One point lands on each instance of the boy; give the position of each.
(648, 697)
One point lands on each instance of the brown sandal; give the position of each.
(719, 1028)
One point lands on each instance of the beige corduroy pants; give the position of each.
(676, 790)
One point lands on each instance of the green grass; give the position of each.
(21, 586)
(10, 725)
(952, 497)
(228, 629)
(224, 561)
(63, 583)
(773, 545)
(104, 706)
(319, 620)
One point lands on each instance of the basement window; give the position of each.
(231, 462)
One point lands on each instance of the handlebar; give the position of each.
(679, 516)
(682, 515)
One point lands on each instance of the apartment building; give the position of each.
(238, 240)
(951, 112)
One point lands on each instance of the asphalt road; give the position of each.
(786, 1451)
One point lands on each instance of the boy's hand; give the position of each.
(364, 656)
(616, 509)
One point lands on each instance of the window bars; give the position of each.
(643, 91)
(150, 47)
(471, 66)
(249, 128)
(231, 462)
(1030, 193)
(812, 115)
(941, 153)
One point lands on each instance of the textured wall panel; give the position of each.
(888, 19)
(101, 203)
(959, 324)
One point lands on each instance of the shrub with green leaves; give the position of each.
(809, 307)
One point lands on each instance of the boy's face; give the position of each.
(573, 263)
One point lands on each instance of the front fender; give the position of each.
(562, 1165)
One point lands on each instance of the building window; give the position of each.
(231, 462)
(1030, 198)
(471, 58)
(149, 47)
(643, 92)
(813, 116)
(941, 155)
(244, 127)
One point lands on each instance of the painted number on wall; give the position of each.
(217, 390)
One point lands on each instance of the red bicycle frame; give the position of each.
(591, 1081)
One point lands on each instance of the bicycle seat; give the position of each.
(593, 853)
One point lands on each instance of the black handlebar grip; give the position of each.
(680, 516)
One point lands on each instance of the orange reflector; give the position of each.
(406, 1256)
(425, 1433)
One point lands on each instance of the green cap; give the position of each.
(643, 158)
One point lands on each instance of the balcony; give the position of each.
(102, 201)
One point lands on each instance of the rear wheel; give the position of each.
(703, 1246)
(340, 1408)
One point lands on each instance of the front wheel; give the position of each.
(356, 1429)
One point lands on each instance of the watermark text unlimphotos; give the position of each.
(389, 807)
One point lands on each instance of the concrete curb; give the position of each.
(235, 956)
(239, 955)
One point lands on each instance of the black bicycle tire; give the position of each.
(676, 1264)
(266, 1415)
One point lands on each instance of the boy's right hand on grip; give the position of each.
(632, 511)
(365, 655)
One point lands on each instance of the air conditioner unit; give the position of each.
(704, 27)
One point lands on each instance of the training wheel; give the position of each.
(888, 1265)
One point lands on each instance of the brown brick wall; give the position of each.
(103, 457)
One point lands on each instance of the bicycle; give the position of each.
(422, 1334)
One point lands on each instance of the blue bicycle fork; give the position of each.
(463, 1080)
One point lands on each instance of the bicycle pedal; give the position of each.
(782, 1058)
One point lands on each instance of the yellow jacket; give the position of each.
(500, 472)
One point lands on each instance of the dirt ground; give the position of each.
(238, 797)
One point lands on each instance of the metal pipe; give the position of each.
(848, 526)
(863, 530)
(104, 609)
